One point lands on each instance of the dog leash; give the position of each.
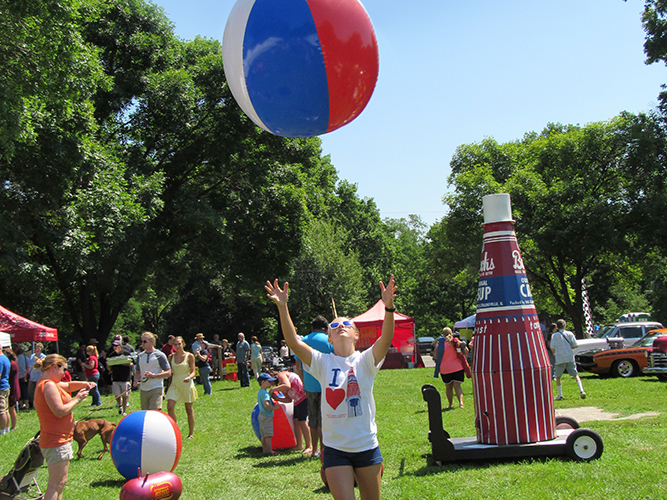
(105, 404)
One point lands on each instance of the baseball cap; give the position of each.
(265, 376)
(117, 342)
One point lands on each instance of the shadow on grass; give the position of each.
(431, 468)
(652, 380)
(278, 460)
(110, 483)
(287, 457)
(249, 452)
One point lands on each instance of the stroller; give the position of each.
(21, 481)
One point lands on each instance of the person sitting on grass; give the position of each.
(266, 407)
(349, 433)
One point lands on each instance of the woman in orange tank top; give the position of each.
(54, 406)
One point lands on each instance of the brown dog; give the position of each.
(86, 430)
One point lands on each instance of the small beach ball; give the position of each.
(146, 442)
(300, 68)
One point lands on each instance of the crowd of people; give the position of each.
(339, 427)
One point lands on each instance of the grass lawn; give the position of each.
(224, 460)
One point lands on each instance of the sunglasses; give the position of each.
(335, 325)
(144, 341)
(61, 366)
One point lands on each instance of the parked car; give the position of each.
(424, 344)
(617, 360)
(630, 332)
(657, 360)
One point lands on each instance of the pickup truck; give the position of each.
(627, 332)
(657, 360)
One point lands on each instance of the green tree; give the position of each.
(324, 270)
(154, 159)
(654, 21)
(570, 200)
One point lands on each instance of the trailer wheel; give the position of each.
(565, 422)
(583, 445)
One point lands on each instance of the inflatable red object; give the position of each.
(283, 434)
(160, 486)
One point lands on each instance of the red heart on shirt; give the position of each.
(335, 397)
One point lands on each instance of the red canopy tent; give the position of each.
(370, 328)
(24, 330)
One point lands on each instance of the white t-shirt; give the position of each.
(348, 407)
(562, 342)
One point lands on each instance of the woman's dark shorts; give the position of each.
(458, 376)
(334, 458)
(301, 411)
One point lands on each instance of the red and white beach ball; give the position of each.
(300, 68)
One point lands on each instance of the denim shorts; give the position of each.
(334, 458)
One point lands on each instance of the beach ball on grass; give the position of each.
(145, 442)
(300, 68)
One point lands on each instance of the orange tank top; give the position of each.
(54, 431)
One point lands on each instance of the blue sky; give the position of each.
(453, 73)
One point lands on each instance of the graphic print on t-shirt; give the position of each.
(344, 390)
(353, 396)
(335, 397)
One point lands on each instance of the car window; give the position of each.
(647, 341)
(632, 332)
(610, 332)
(604, 331)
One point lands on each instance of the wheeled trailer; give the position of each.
(578, 443)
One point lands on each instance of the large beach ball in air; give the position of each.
(300, 68)
(146, 442)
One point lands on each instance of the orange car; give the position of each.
(623, 362)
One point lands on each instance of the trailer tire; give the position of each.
(583, 445)
(565, 422)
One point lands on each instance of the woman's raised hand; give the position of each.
(388, 292)
(276, 294)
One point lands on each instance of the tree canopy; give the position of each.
(575, 194)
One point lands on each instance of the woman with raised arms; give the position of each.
(349, 433)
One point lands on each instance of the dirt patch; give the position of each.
(590, 413)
